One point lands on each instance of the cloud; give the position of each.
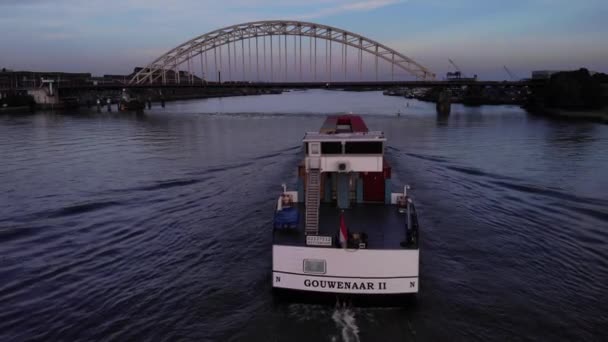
(357, 6)
(112, 36)
(486, 57)
(56, 36)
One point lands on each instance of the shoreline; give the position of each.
(16, 110)
(594, 115)
(153, 98)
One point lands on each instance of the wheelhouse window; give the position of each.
(343, 128)
(313, 148)
(364, 147)
(331, 148)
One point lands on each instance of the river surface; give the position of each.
(158, 227)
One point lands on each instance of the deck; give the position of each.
(383, 224)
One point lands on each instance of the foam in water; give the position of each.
(346, 323)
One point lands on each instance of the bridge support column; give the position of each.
(443, 105)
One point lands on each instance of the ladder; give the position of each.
(312, 202)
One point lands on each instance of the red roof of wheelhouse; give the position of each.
(343, 124)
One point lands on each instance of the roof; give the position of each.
(344, 127)
(338, 123)
(357, 136)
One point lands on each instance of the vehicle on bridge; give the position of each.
(343, 233)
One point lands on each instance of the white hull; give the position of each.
(346, 271)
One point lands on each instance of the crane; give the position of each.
(454, 64)
(513, 78)
(454, 75)
(458, 74)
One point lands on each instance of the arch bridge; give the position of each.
(269, 56)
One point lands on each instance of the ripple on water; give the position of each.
(156, 227)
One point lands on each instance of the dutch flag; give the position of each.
(343, 231)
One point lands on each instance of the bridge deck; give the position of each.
(309, 85)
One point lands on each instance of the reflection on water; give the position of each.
(157, 226)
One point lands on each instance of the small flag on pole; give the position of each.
(343, 231)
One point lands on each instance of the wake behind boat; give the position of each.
(343, 232)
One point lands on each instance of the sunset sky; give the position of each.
(112, 37)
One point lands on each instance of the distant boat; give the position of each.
(393, 92)
(129, 103)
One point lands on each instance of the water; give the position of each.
(157, 227)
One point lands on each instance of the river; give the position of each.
(157, 227)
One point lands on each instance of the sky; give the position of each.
(114, 36)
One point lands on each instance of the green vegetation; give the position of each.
(574, 90)
(572, 95)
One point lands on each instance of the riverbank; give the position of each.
(573, 95)
(15, 110)
(471, 96)
(213, 93)
(89, 99)
(599, 115)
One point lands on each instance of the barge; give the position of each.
(343, 233)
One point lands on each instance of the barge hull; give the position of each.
(289, 296)
(346, 271)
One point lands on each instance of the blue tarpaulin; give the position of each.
(287, 217)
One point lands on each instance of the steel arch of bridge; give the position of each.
(156, 71)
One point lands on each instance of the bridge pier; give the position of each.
(443, 105)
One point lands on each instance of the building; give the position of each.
(5, 82)
(543, 74)
(546, 74)
(18, 80)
